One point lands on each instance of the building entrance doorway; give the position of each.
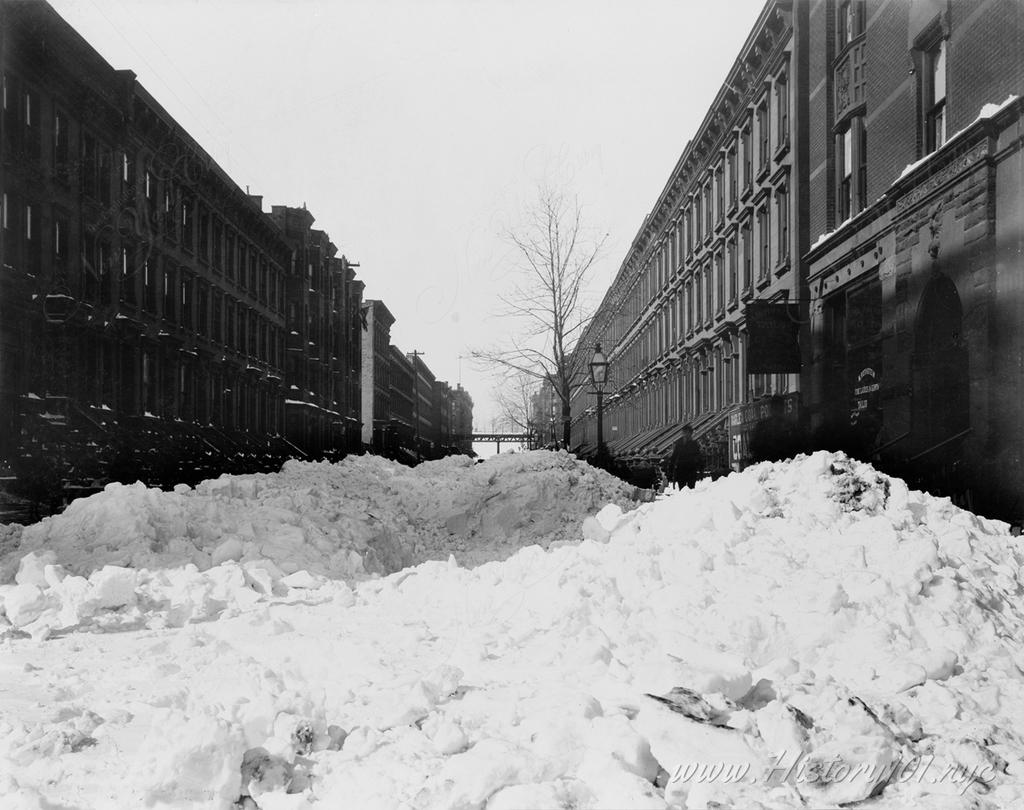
(940, 412)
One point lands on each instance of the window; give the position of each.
(849, 22)
(106, 268)
(168, 213)
(218, 245)
(844, 164)
(688, 294)
(60, 238)
(60, 149)
(698, 316)
(33, 141)
(782, 212)
(204, 233)
(747, 156)
(862, 169)
(782, 110)
(186, 302)
(148, 383)
(708, 293)
(732, 177)
(218, 313)
(5, 212)
(127, 174)
(851, 169)
(104, 173)
(202, 315)
(720, 194)
(709, 211)
(148, 286)
(762, 135)
(748, 255)
(187, 224)
(698, 209)
(935, 96)
(169, 293)
(127, 276)
(719, 284)
(90, 275)
(764, 243)
(733, 279)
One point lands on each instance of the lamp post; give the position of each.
(598, 378)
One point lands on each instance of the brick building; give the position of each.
(462, 420)
(401, 437)
(841, 238)
(917, 320)
(321, 372)
(425, 425)
(375, 360)
(727, 230)
(141, 298)
(347, 358)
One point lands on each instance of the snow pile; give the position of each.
(361, 516)
(807, 633)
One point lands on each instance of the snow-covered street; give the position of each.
(365, 635)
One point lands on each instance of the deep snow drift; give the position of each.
(804, 634)
(365, 515)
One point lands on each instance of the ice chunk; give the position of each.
(31, 568)
(23, 604)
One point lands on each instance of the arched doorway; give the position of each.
(940, 411)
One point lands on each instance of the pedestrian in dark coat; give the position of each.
(687, 461)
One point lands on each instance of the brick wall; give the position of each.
(891, 96)
(819, 21)
(994, 29)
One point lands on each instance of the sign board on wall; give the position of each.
(772, 345)
(744, 419)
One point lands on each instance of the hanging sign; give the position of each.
(772, 345)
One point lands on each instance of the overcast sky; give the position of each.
(416, 132)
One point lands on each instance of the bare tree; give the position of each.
(556, 254)
(514, 400)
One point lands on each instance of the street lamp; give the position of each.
(598, 378)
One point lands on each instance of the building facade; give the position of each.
(727, 230)
(917, 321)
(321, 376)
(375, 360)
(839, 245)
(462, 421)
(141, 298)
(401, 436)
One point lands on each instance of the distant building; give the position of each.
(346, 362)
(726, 231)
(545, 416)
(375, 387)
(316, 365)
(425, 425)
(462, 420)
(401, 429)
(442, 407)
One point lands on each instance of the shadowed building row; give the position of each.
(839, 248)
(155, 322)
